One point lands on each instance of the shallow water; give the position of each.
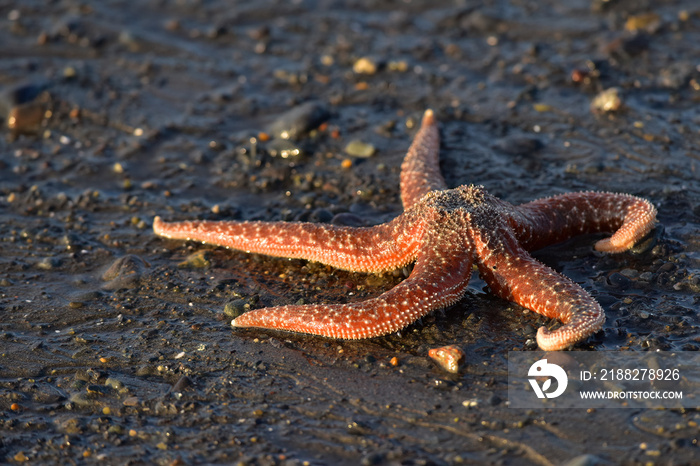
(114, 345)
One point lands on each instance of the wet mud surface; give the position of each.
(115, 345)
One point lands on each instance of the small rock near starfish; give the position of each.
(448, 357)
(124, 273)
(298, 121)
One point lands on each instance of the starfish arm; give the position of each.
(557, 218)
(439, 279)
(513, 274)
(372, 249)
(420, 170)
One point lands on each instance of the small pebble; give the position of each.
(114, 383)
(473, 403)
(649, 241)
(358, 148)
(182, 383)
(649, 22)
(21, 107)
(365, 65)
(235, 308)
(448, 357)
(398, 65)
(197, 260)
(608, 100)
(283, 148)
(297, 122)
(48, 263)
(115, 429)
(124, 273)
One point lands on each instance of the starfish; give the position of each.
(444, 232)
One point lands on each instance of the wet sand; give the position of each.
(115, 345)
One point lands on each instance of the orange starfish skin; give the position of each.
(420, 170)
(444, 231)
(375, 249)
